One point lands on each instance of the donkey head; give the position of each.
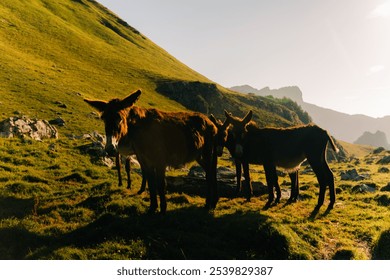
(221, 136)
(238, 131)
(114, 114)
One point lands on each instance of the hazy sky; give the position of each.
(336, 51)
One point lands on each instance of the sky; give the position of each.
(336, 51)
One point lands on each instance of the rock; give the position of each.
(384, 160)
(223, 173)
(383, 170)
(61, 105)
(23, 126)
(378, 150)
(352, 175)
(386, 188)
(364, 188)
(57, 121)
(196, 172)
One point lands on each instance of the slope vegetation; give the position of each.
(63, 50)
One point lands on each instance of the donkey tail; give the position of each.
(332, 143)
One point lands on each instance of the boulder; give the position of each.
(23, 126)
(352, 175)
(384, 160)
(383, 170)
(365, 188)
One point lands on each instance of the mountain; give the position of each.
(292, 92)
(342, 126)
(61, 51)
(377, 139)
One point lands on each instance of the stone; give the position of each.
(365, 188)
(352, 175)
(384, 160)
(57, 121)
(23, 126)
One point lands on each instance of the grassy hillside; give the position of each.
(58, 202)
(63, 50)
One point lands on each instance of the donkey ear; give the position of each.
(98, 105)
(225, 124)
(131, 99)
(227, 114)
(213, 119)
(248, 117)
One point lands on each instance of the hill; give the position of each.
(63, 51)
(342, 126)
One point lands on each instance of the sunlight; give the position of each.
(382, 10)
(375, 69)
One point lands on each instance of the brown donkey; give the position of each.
(225, 138)
(160, 139)
(286, 148)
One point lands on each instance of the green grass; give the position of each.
(44, 216)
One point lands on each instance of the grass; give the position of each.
(87, 216)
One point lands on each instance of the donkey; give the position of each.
(225, 138)
(118, 163)
(287, 148)
(160, 139)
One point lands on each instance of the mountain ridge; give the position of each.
(341, 125)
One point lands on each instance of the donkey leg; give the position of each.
(278, 191)
(238, 175)
(144, 180)
(127, 167)
(294, 186)
(272, 180)
(161, 185)
(321, 178)
(118, 168)
(211, 180)
(330, 183)
(151, 175)
(248, 184)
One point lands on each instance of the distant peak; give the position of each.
(292, 92)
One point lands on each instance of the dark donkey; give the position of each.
(287, 148)
(225, 138)
(160, 139)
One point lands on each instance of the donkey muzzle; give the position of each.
(111, 146)
(111, 150)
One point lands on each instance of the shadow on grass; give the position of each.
(17, 242)
(15, 207)
(187, 233)
(382, 247)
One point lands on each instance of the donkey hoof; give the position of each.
(267, 205)
(152, 211)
